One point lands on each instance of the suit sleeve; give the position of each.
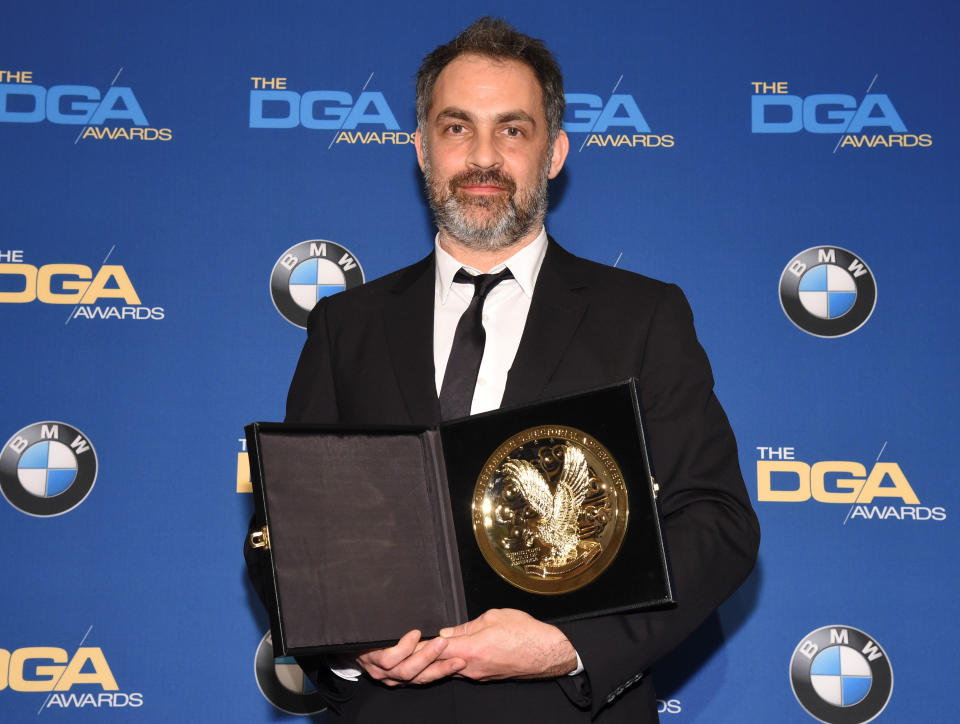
(311, 398)
(312, 395)
(711, 531)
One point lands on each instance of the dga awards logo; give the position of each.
(366, 119)
(115, 114)
(82, 680)
(871, 123)
(107, 293)
(827, 291)
(47, 468)
(617, 122)
(841, 676)
(309, 271)
(283, 683)
(881, 492)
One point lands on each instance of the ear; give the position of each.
(418, 144)
(560, 149)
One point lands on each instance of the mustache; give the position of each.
(477, 177)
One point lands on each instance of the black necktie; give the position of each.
(463, 365)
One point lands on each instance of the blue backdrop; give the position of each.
(160, 163)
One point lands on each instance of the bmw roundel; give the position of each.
(827, 291)
(309, 271)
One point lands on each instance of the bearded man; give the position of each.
(408, 349)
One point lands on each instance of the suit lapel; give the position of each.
(408, 321)
(555, 313)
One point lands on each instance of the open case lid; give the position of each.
(374, 531)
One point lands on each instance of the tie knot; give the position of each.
(482, 283)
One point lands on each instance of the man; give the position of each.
(489, 110)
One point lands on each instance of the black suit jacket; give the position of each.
(369, 359)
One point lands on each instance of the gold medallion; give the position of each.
(550, 509)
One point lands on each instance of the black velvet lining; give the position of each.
(354, 537)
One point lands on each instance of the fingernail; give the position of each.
(446, 632)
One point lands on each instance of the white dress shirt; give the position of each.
(504, 316)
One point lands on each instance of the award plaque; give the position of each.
(362, 534)
(550, 509)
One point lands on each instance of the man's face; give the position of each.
(485, 152)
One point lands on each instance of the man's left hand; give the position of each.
(504, 643)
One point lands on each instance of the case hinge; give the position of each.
(260, 538)
(654, 483)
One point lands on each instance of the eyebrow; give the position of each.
(507, 117)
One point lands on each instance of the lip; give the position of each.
(482, 189)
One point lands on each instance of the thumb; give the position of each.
(464, 629)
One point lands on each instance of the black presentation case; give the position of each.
(370, 531)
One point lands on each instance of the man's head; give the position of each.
(494, 38)
(489, 107)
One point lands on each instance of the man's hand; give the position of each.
(410, 661)
(504, 643)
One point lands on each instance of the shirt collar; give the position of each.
(524, 265)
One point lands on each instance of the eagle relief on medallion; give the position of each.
(550, 509)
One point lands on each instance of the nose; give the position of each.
(484, 153)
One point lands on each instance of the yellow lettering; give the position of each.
(4, 668)
(19, 657)
(243, 473)
(765, 489)
(818, 488)
(98, 287)
(900, 488)
(29, 291)
(101, 673)
(46, 295)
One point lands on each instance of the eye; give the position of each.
(513, 131)
(455, 128)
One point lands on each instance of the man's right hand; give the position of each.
(411, 661)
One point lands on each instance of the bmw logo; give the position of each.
(47, 468)
(827, 291)
(309, 271)
(841, 676)
(283, 683)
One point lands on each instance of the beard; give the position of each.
(505, 218)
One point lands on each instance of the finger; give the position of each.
(411, 667)
(388, 658)
(439, 669)
(464, 629)
(458, 647)
(421, 643)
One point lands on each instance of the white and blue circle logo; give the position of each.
(47, 468)
(840, 675)
(309, 271)
(827, 291)
(283, 683)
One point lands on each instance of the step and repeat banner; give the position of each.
(180, 183)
